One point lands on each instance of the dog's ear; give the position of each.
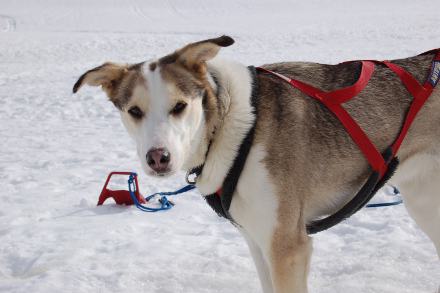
(107, 75)
(195, 54)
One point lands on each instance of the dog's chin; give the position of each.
(164, 174)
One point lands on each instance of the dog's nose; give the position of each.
(158, 159)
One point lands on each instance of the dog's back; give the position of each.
(324, 152)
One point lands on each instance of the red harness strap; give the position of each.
(333, 101)
(420, 93)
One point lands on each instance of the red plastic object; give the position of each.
(120, 196)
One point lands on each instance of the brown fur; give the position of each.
(325, 159)
(153, 66)
(379, 109)
(195, 54)
(186, 69)
(116, 80)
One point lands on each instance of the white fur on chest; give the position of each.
(236, 88)
(254, 205)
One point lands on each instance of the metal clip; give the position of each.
(189, 174)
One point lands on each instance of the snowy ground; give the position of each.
(56, 148)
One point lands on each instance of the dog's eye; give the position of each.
(178, 108)
(135, 112)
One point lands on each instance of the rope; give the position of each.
(165, 204)
(387, 204)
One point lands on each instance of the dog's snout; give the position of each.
(158, 159)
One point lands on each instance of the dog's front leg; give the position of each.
(260, 263)
(279, 244)
(289, 261)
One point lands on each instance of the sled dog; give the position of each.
(191, 110)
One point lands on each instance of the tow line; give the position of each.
(133, 195)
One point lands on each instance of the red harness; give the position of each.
(333, 101)
(383, 165)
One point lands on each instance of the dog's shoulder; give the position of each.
(417, 66)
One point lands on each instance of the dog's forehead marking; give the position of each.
(126, 86)
(152, 66)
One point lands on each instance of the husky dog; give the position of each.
(190, 109)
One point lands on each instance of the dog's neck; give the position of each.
(233, 85)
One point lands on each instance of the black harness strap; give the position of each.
(362, 197)
(221, 200)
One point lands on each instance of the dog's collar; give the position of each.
(220, 201)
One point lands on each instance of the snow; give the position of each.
(57, 148)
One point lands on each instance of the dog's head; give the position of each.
(169, 106)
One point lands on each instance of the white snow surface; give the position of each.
(57, 148)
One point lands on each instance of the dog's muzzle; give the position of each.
(159, 159)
